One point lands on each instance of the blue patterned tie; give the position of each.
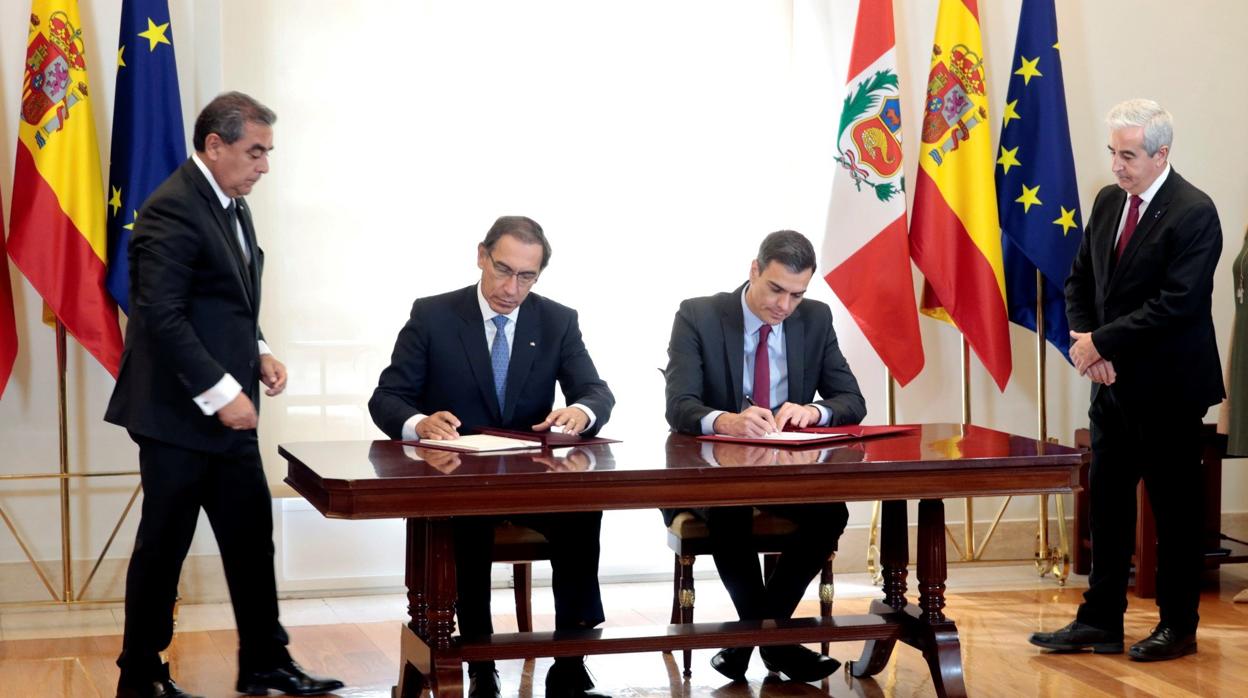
(499, 357)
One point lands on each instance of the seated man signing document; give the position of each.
(489, 355)
(748, 363)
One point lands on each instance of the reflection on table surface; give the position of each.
(929, 444)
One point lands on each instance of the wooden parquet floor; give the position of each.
(993, 627)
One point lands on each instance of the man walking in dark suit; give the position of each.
(1138, 299)
(489, 355)
(747, 363)
(188, 392)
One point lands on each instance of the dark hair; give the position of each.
(225, 116)
(522, 228)
(789, 248)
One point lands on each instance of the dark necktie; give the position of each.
(1128, 227)
(762, 370)
(231, 214)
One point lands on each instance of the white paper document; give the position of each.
(794, 436)
(481, 443)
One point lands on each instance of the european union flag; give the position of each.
(148, 140)
(1037, 196)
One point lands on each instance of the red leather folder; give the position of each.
(831, 434)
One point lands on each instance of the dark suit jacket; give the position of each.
(1149, 313)
(441, 362)
(706, 357)
(193, 316)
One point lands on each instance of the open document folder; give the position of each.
(481, 443)
(811, 436)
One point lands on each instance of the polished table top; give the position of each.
(380, 479)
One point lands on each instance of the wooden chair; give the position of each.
(520, 546)
(688, 537)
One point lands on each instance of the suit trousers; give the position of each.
(1162, 449)
(232, 490)
(819, 528)
(574, 550)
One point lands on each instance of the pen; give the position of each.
(749, 401)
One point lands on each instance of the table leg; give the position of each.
(417, 582)
(933, 633)
(894, 557)
(412, 645)
(446, 664)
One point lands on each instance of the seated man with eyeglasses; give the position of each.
(489, 355)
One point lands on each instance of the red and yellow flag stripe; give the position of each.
(955, 237)
(58, 237)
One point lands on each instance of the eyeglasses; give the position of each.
(502, 272)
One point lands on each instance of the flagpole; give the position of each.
(890, 411)
(968, 506)
(1055, 560)
(63, 436)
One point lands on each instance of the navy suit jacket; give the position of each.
(194, 309)
(1150, 312)
(706, 357)
(441, 362)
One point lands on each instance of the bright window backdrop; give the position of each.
(655, 141)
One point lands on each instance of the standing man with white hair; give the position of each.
(1138, 299)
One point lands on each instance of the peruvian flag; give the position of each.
(866, 253)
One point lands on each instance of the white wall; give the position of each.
(655, 141)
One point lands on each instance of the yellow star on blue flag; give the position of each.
(1041, 234)
(148, 140)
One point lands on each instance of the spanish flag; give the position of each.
(57, 229)
(955, 238)
(8, 325)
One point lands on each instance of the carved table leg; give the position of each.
(447, 665)
(411, 680)
(894, 556)
(936, 635)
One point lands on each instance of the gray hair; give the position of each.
(522, 228)
(1157, 123)
(789, 248)
(226, 115)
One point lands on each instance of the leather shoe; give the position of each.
(289, 678)
(483, 681)
(568, 678)
(732, 662)
(159, 688)
(1077, 637)
(798, 663)
(1163, 644)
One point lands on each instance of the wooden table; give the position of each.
(390, 479)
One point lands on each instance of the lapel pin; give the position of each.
(532, 344)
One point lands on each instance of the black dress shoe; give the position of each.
(798, 663)
(483, 682)
(290, 678)
(165, 688)
(732, 662)
(1163, 644)
(568, 678)
(1077, 637)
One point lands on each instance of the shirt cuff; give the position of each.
(213, 399)
(409, 427)
(825, 415)
(588, 413)
(264, 348)
(708, 422)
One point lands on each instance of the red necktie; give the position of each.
(1133, 216)
(762, 370)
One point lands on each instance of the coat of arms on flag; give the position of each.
(952, 87)
(53, 77)
(870, 138)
